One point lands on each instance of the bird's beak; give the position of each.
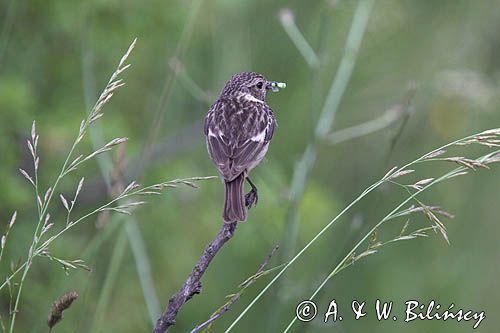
(275, 86)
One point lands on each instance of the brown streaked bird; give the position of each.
(239, 127)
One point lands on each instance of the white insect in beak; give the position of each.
(275, 86)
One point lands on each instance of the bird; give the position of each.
(238, 128)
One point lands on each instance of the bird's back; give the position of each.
(237, 120)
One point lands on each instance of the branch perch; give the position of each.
(192, 285)
(223, 309)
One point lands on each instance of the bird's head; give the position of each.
(250, 83)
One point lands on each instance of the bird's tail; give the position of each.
(234, 200)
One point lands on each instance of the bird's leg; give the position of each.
(251, 197)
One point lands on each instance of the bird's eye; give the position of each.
(260, 85)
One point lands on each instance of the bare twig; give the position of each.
(223, 309)
(192, 285)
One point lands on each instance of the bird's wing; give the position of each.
(237, 139)
(251, 150)
(218, 145)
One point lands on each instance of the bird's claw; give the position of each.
(251, 198)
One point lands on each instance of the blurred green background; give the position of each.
(56, 56)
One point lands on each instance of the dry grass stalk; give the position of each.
(6, 235)
(41, 238)
(420, 186)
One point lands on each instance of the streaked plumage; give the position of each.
(239, 127)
